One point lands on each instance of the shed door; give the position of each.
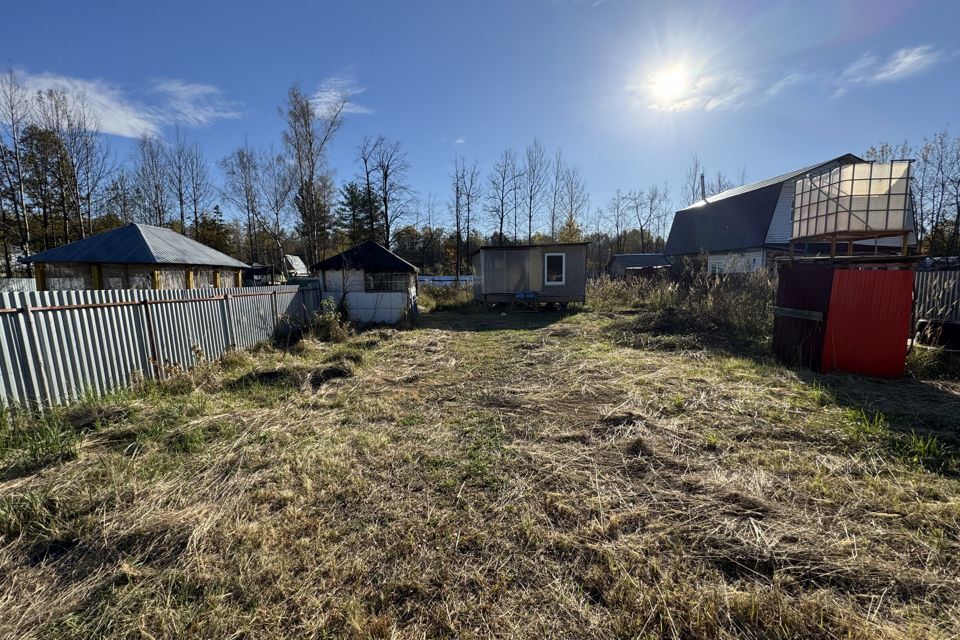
(516, 271)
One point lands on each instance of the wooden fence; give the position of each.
(57, 346)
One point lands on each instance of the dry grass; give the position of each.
(487, 475)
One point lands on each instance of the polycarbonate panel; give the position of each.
(876, 194)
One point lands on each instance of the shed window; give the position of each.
(555, 268)
(385, 281)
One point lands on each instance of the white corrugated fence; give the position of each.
(57, 346)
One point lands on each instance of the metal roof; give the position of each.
(138, 244)
(735, 219)
(296, 264)
(628, 260)
(369, 256)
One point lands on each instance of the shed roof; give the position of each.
(138, 244)
(488, 247)
(296, 264)
(628, 260)
(369, 256)
(735, 219)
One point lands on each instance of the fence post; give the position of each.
(273, 306)
(156, 368)
(228, 322)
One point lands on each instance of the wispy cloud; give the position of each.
(869, 69)
(719, 89)
(707, 91)
(195, 104)
(338, 87)
(119, 115)
(127, 115)
(785, 83)
(460, 140)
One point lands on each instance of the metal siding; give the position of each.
(798, 341)
(54, 356)
(869, 322)
(781, 227)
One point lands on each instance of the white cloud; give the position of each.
(785, 83)
(194, 104)
(907, 62)
(122, 114)
(338, 87)
(902, 63)
(460, 140)
(119, 115)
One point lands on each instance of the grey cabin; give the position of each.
(531, 274)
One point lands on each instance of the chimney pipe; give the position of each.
(703, 188)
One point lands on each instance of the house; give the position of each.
(373, 284)
(620, 262)
(747, 228)
(135, 256)
(531, 274)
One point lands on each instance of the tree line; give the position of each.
(59, 182)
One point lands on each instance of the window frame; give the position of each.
(563, 270)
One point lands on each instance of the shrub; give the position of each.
(434, 298)
(739, 303)
(328, 324)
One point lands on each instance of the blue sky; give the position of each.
(630, 90)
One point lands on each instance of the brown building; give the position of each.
(135, 256)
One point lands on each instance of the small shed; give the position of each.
(373, 284)
(135, 256)
(619, 263)
(531, 274)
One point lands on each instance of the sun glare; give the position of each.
(670, 84)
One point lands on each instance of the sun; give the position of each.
(670, 84)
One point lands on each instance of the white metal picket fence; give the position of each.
(57, 346)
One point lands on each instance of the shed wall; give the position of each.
(508, 271)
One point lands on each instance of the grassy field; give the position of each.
(598, 475)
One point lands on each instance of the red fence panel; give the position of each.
(869, 322)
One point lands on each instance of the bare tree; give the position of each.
(557, 170)
(459, 179)
(276, 183)
(390, 170)
(697, 186)
(199, 187)
(241, 173)
(472, 194)
(150, 182)
(617, 214)
(120, 198)
(15, 115)
(308, 132)
(534, 184)
(517, 177)
(178, 171)
(574, 200)
(500, 188)
(692, 192)
(90, 156)
(366, 153)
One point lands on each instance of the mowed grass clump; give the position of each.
(495, 476)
